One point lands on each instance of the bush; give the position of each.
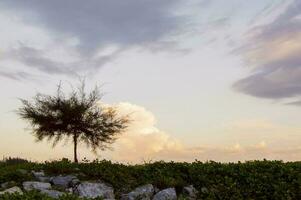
(249, 180)
(13, 161)
(34, 195)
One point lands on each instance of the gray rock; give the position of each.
(43, 179)
(38, 174)
(204, 190)
(81, 174)
(145, 192)
(69, 190)
(52, 193)
(76, 169)
(74, 182)
(34, 185)
(8, 184)
(12, 190)
(167, 194)
(64, 181)
(93, 190)
(22, 171)
(190, 192)
(4, 185)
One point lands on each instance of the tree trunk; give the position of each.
(75, 148)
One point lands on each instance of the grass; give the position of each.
(249, 180)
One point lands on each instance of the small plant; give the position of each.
(14, 160)
(35, 195)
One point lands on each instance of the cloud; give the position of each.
(273, 53)
(100, 22)
(144, 141)
(294, 103)
(42, 60)
(92, 27)
(15, 75)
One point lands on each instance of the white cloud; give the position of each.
(251, 140)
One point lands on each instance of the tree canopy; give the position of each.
(78, 115)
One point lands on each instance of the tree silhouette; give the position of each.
(77, 115)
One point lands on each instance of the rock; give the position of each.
(76, 169)
(64, 181)
(38, 174)
(52, 193)
(34, 185)
(69, 190)
(8, 184)
(167, 194)
(74, 182)
(157, 190)
(145, 192)
(12, 190)
(190, 192)
(93, 190)
(22, 171)
(43, 179)
(204, 190)
(81, 175)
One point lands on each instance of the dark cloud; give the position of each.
(95, 24)
(99, 22)
(38, 59)
(294, 103)
(271, 84)
(273, 52)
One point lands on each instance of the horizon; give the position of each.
(205, 80)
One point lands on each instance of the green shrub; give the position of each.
(249, 180)
(33, 195)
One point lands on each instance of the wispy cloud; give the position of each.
(15, 75)
(272, 51)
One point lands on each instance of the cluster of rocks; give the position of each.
(59, 185)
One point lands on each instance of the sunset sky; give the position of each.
(205, 79)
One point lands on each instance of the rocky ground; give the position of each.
(57, 186)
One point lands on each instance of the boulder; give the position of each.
(22, 171)
(69, 190)
(64, 181)
(8, 184)
(38, 174)
(43, 179)
(74, 182)
(190, 192)
(34, 185)
(94, 190)
(145, 192)
(204, 190)
(52, 193)
(167, 194)
(12, 190)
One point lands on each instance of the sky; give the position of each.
(205, 79)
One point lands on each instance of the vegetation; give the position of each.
(77, 116)
(34, 195)
(249, 180)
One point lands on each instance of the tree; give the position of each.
(77, 115)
